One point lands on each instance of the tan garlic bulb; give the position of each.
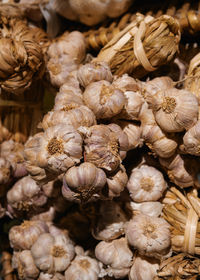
(116, 255)
(146, 183)
(52, 253)
(149, 235)
(175, 110)
(23, 236)
(181, 171)
(133, 132)
(160, 143)
(110, 222)
(101, 147)
(117, 181)
(191, 140)
(73, 114)
(65, 53)
(5, 175)
(54, 276)
(84, 268)
(26, 194)
(93, 72)
(57, 149)
(25, 266)
(103, 99)
(85, 180)
(126, 83)
(150, 208)
(143, 268)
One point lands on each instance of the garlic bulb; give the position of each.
(52, 253)
(23, 236)
(93, 72)
(117, 181)
(25, 194)
(71, 114)
(126, 83)
(55, 150)
(103, 99)
(191, 140)
(47, 276)
(101, 147)
(152, 208)
(146, 183)
(116, 255)
(110, 222)
(149, 235)
(45, 216)
(65, 53)
(5, 175)
(84, 268)
(25, 266)
(143, 268)
(175, 110)
(84, 180)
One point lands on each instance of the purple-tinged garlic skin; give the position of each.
(52, 253)
(143, 268)
(146, 183)
(116, 255)
(110, 222)
(116, 182)
(93, 72)
(55, 150)
(84, 268)
(26, 194)
(101, 147)
(85, 180)
(191, 140)
(103, 99)
(149, 235)
(25, 265)
(23, 236)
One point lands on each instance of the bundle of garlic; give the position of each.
(142, 46)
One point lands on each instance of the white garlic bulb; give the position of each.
(54, 276)
(152, 87)
(103, 99)
(116, 255)
(23, 236)
(71, 114)
(101, 147)
(57, 149)
(191, 140)
(117, 181)
(175, 110)
(93, 72)
(26, 194)
(52, 253)
(25, 266)
(143, 268)
(146, 183)
(110, 222)
(149, 235)
(152, 208)
(84, 180)
(126, 83)
(84, 268)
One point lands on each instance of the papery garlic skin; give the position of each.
(93, 72)
(101, 147)
(103, 99)
(126, 83)
(57, 149)
(52, 253)
(47, 276)
(73, 114)
(116, 255)
(26, 194)
(110, 222)
(143, 268)
(5, 171)
(84, 268)
(191, 140)
(153, 208)
(25, 265)
(155, 85)
(146, 183)
(85, 180)
(175, 110)
(149, 235)
(23, 236)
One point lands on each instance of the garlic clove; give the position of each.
(152, 208)
(191, 140)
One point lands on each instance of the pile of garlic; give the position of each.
(89, 174)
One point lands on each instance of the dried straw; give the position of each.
(182, 212)
(7, 272)
(142, 46)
